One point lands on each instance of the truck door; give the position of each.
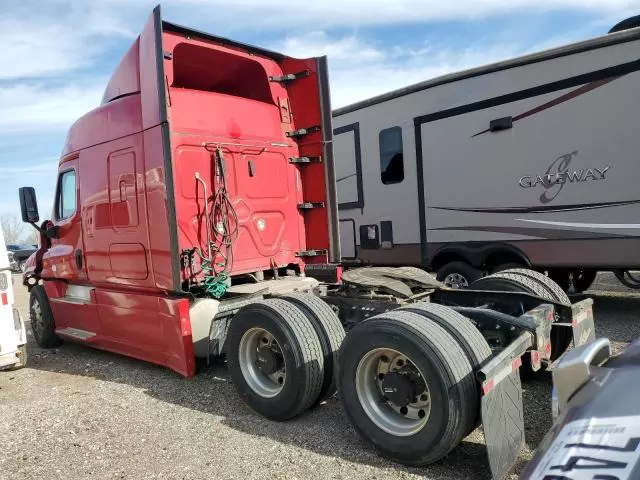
(71, 302)
(65, 257)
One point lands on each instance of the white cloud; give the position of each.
(56, 41)
(40, 174)
(39, 167)
(347, 48)
(330, 13)
(360, 70)
(32, 107)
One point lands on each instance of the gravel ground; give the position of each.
(81, 413)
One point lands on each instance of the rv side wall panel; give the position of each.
(573, 118)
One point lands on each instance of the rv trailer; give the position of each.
(530, 162)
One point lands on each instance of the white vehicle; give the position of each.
(13, 335)
(530, 162)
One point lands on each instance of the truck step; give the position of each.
(76, 333)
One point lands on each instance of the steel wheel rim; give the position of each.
(456, 280)
(37, 321)
(267, 386)
(392, 418)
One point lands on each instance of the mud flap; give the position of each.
(503, 424)
(582, 322)
(501, 406)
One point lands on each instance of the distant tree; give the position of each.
(12, 228)
(33, 238)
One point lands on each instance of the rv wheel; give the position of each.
(583, 279)
(275, 359)
(458, 275)
(407, 387)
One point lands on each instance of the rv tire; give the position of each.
(275, 359)
(458, 274)
(583, 279)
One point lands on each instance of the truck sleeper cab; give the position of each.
(195, 215)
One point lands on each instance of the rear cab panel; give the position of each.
(227, 97)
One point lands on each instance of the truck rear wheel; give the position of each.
(275, 359)
(42, 324)
(534, 283)
(458, 326)
(407, 387)
(555, 290)
(330, 333)
(461, 329)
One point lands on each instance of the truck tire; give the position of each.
(275, 359)
(462, 330)
(458, 274)
(529, 281)
(458, 326)
(552, 287)
(506, 266)
(330, 333)
(407, 387)
(42, 324)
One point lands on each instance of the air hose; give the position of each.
(222, 229)
(215, 284)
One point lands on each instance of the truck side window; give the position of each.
(66, 201)
(391, 158)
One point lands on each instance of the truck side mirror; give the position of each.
(28, 205)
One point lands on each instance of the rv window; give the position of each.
(66, 201)
(391, 158)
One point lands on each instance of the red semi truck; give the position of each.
(195, 216)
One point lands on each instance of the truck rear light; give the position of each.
(4, 299)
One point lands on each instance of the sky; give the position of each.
(58, 54)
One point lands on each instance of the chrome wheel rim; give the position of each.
(393, 418)
(456, 280)
(253, 345)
